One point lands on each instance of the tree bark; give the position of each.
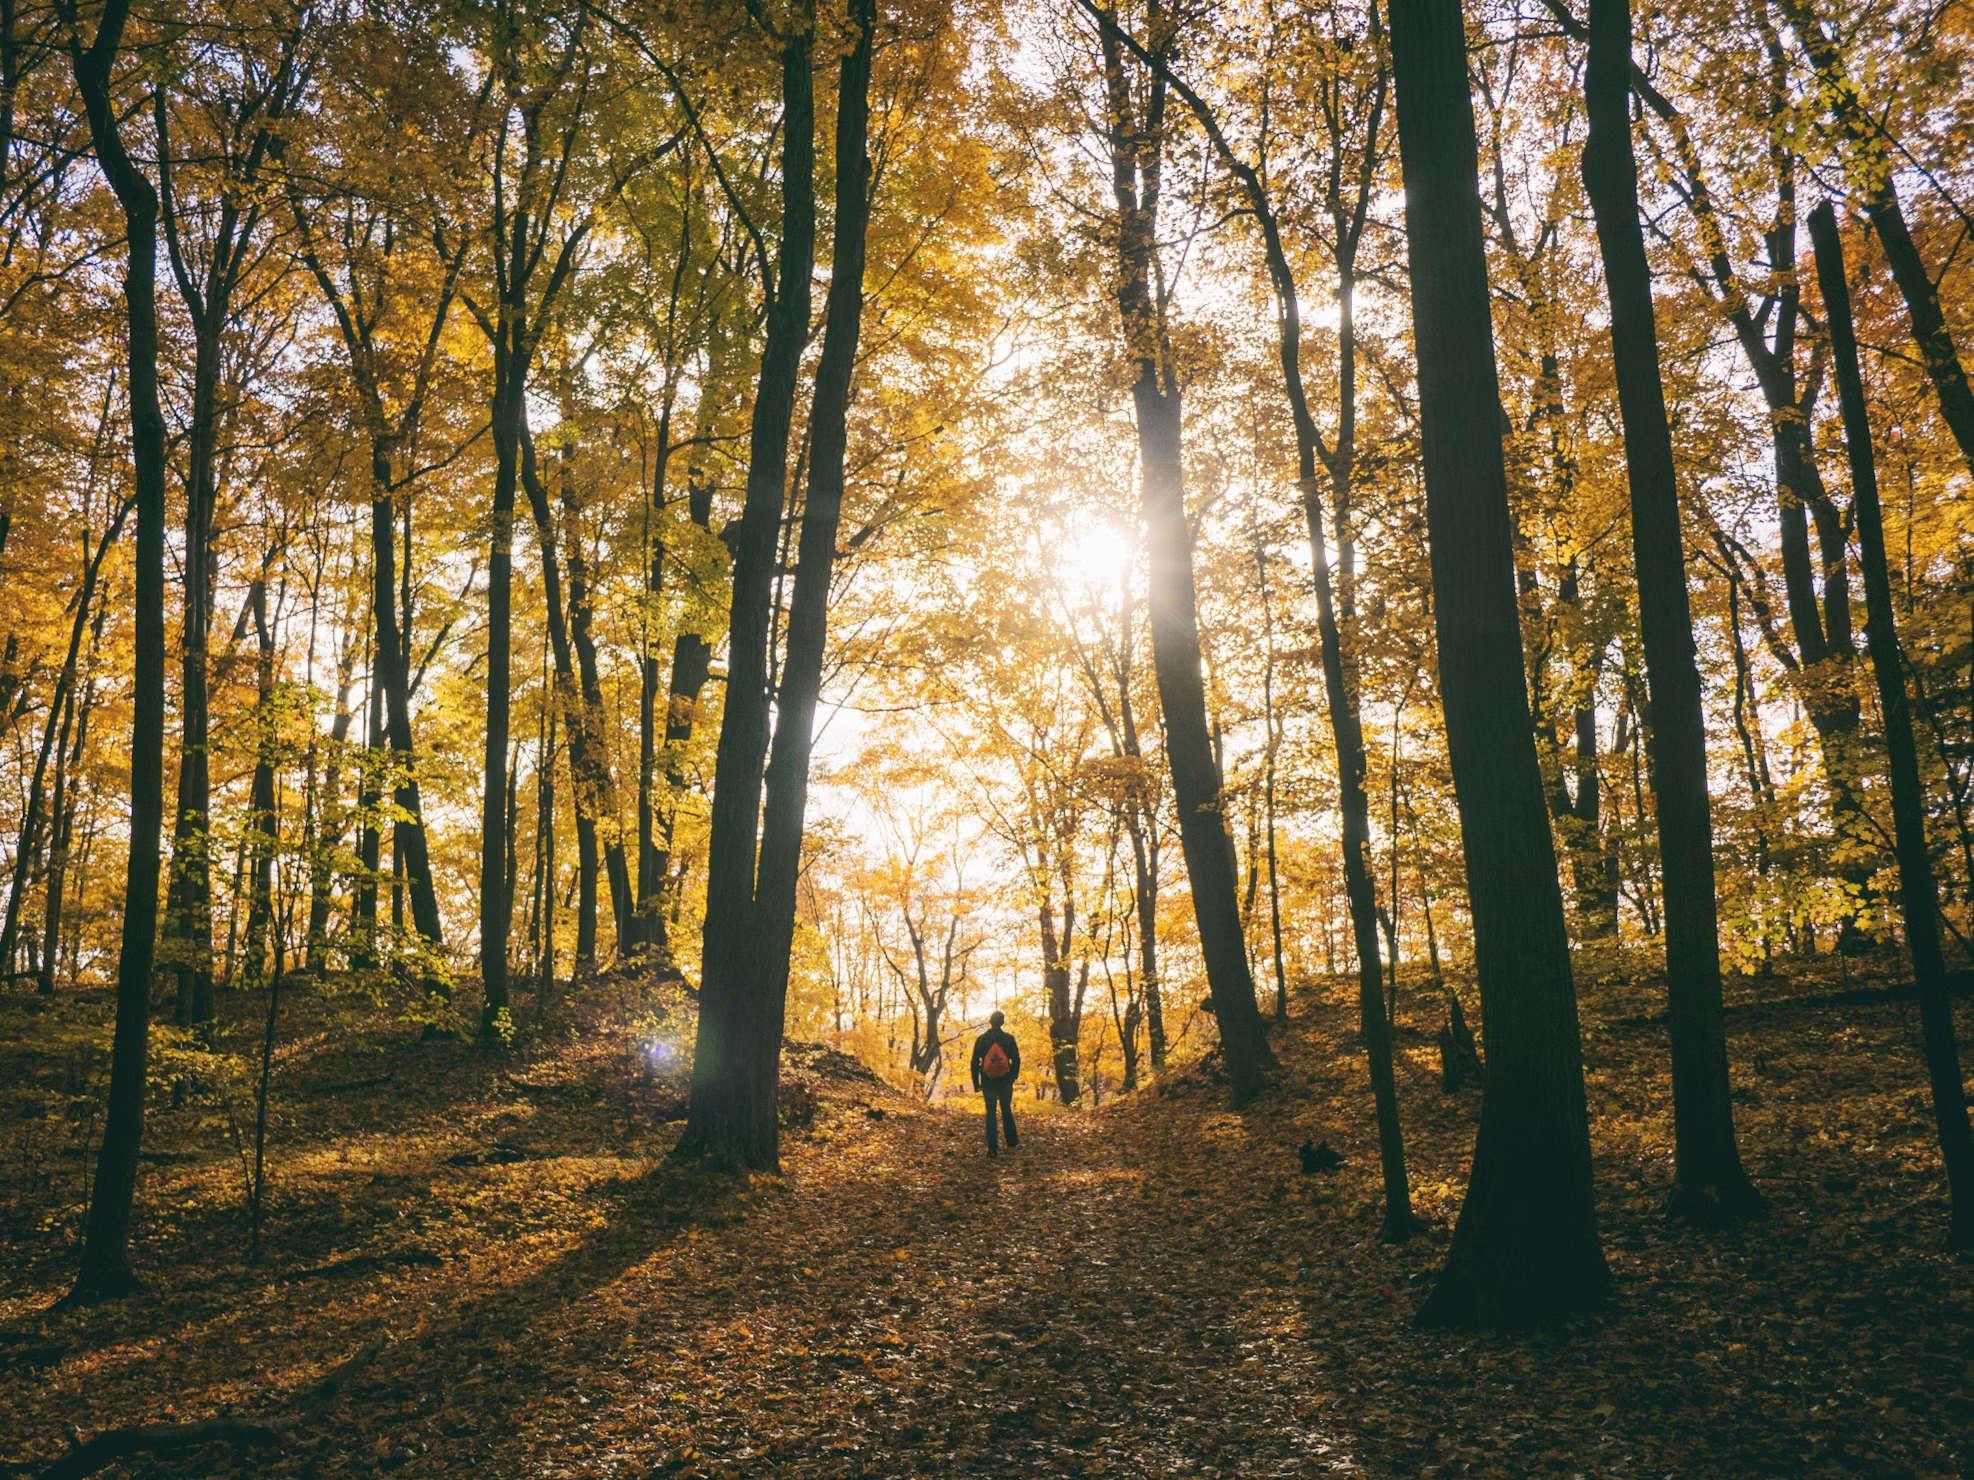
(597, 793)
(1136, 145)
(262, 823)
(1917, 887)
(27, 845)
(1064, 1028)
(105, 1270)
(329, 833)
(732, 1117)
(808, 615)
(408, 837)
(370, 836)
(63, 823)
(510, 427)
(1525, 1247)
(208, 303)
(1708, 1180)
(1346, 730)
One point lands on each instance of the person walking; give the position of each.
(996, 1066)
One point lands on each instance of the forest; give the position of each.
(589, 586)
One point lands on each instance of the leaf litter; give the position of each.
(1152, 1289)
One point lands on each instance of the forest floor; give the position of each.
(1152, 1289)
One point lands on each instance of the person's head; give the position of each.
(996, 1018)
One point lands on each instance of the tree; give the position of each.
(1707, 1175)
(1525, 1246)
(1346, 728)
(1916, 884)
(106, 1271)
(1136, 142)
(390, 298)
(210, 229)
(1869, 165)
(750, 915)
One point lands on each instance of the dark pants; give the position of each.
(1000, 1092)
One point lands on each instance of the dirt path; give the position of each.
(899, 1305)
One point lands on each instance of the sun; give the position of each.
(1099, 555)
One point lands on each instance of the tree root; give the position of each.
(87, 1456)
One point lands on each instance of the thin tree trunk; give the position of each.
(1144, 863)
(208, 300)
(1136, 145)
(692, 662)
(1345, 727)
(261, 823)
(370, 838)
(329, 833)
(28, 843)
(1526, 1245)
(1916, 883)
(1063, 1028)
(105, 1270)
(588, 778)
(61, 827)
(408, 836)
(1268, 787)
(1708, 1180)
(602, 780)
(189, 928)
(510, 426)
(647, 926)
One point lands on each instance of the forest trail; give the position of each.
(1149, 1289)
(904, 1306)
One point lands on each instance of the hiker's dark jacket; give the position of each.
(1008, 1047)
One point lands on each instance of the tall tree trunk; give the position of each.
(65, 804)
(1822, 634)
(732, 1117)
(1916, 883)
(541, 927)
(787, 780)
(1345, 727)
(1136, 145)
(588, 771)
(647, 924)
(188, 929)
(370, 837)
(510, 426)
(408, 835)
(1274, 731)
(1144, 864)
(1590, 862)
(1064, 1029)
(1141, 821)
(1708, 1180)
(601, 787)
(105, 1270)
(1196, 781)
(1525, 1246)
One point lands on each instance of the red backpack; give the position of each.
(995, 1064)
